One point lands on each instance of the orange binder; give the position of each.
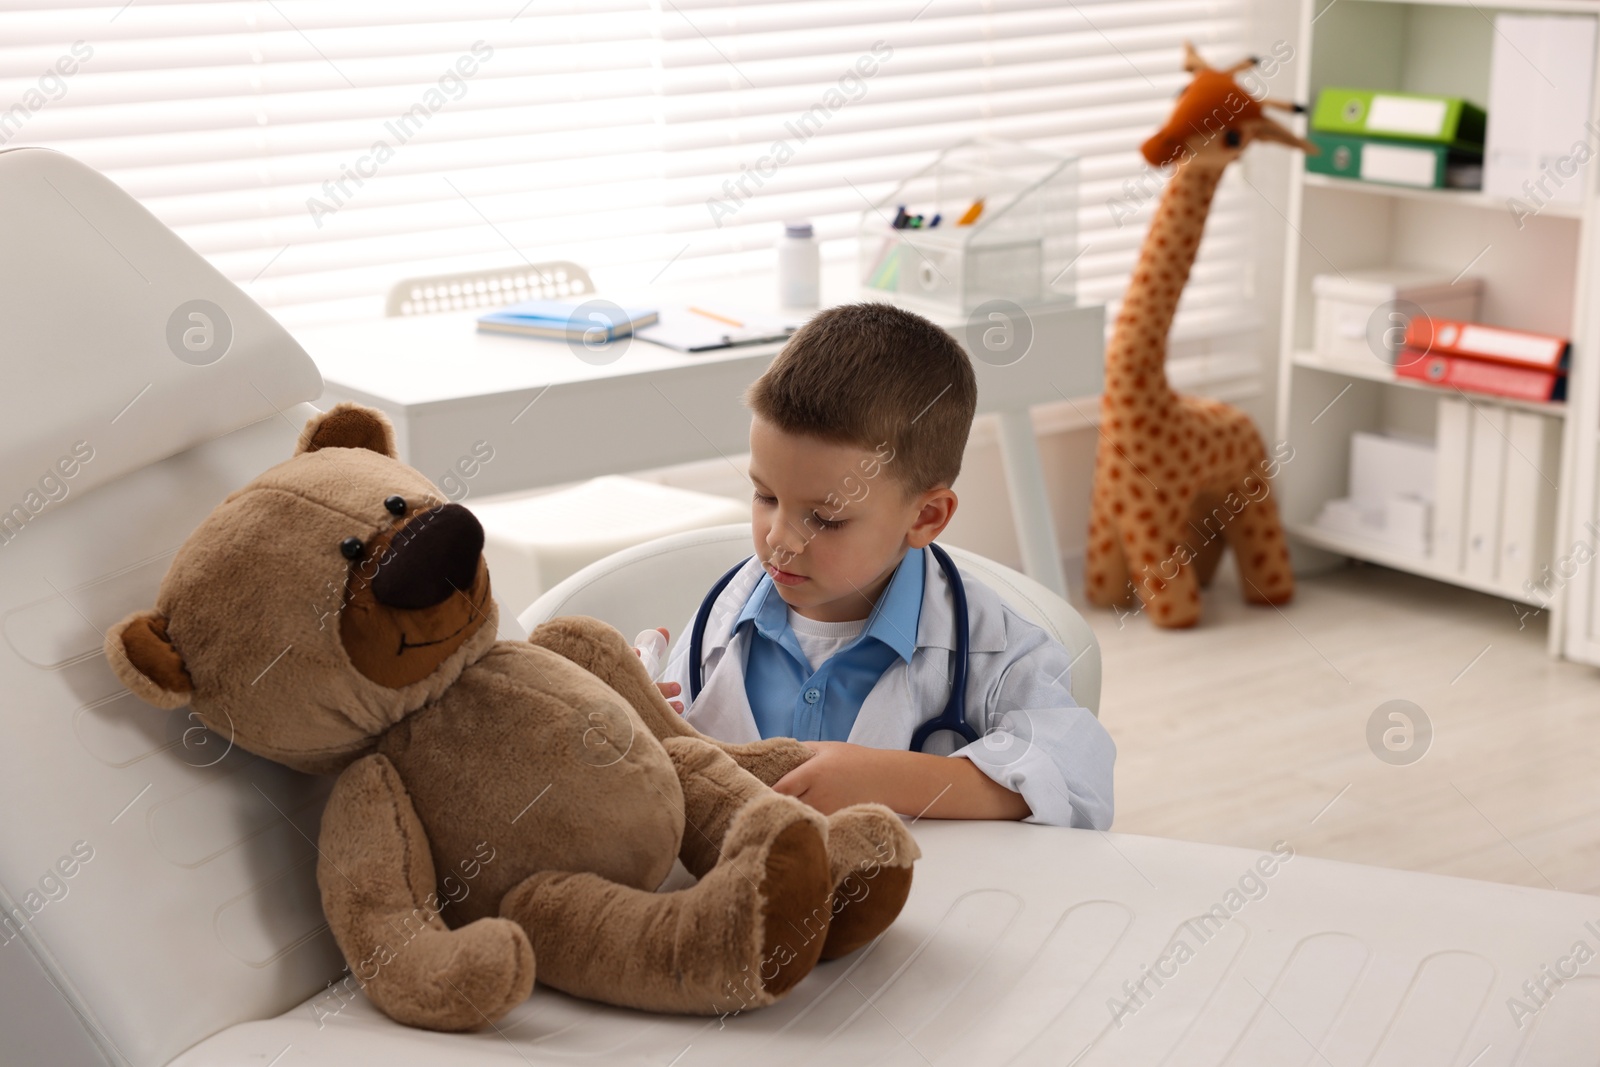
(1481, 376)
(1518, 348)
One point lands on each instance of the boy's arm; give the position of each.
(910, 783)
(1039, 741)
(1042, 757)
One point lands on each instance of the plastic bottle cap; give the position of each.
(798, 229)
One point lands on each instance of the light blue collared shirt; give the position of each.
(788, 698)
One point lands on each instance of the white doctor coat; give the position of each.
(1033, 737)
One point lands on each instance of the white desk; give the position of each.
(551, 417)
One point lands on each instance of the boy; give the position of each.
(840, 630)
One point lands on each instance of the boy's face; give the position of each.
(830, 523)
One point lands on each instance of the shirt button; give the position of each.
(813, 695)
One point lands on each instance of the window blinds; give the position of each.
(317, 152)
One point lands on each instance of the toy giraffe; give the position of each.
(1176, 475)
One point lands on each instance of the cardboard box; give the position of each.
(1361, 316)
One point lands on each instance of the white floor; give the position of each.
(1253, 728)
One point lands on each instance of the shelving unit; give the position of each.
(1540, 276)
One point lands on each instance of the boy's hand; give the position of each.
(840, 774)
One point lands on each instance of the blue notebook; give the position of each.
(559, 320)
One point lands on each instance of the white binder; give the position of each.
(1450, 482)
(1527, 519)
(1486, 468)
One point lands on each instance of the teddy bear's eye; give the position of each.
(395, 504)
(351, 548)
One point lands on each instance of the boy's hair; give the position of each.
(874, 374)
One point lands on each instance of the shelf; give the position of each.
(1459, 197)
(1379, 373)
(1373, 552)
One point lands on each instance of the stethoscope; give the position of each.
(954, 715)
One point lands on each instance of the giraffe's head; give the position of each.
(1216, 118)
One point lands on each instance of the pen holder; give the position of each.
(1020, 248)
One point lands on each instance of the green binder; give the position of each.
(1401, 116)
(1377, 159)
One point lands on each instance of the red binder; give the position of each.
(1517, 348)
(1481, 376)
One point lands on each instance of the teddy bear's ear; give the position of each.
(143, 656)
(347, 425)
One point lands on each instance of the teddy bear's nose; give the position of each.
(430, 558)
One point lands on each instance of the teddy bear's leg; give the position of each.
(600, 648)
(380, 897)
(870, 851)
(742, 937)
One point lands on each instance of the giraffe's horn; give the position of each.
(1191, 59)
(1244, 64)
(1284, 105)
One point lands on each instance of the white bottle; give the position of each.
(652, 647)
(799, 267)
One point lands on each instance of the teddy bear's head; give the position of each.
(318, 605)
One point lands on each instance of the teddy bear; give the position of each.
(503, 809)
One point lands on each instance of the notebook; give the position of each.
(559, 320)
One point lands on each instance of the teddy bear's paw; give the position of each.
(780, 846)
(456, 980)
(870, 853)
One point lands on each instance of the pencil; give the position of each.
(714, 315)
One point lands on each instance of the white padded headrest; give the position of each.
(123, 345)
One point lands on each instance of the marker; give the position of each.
(972, 213)
(900, 219)
(935, 221)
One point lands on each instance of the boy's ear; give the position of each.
(347, 425)
(935, 510)
(144, 658)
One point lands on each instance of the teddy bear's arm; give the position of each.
(601, 649)
(380, 897)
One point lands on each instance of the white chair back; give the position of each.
(661, 583)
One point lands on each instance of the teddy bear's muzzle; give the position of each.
(430, 559)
